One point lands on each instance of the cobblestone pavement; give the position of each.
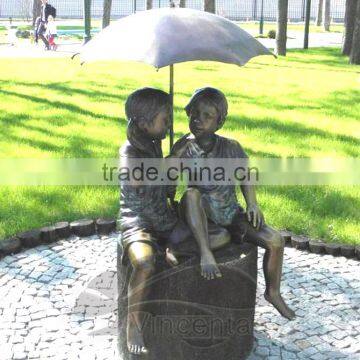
(58, 301)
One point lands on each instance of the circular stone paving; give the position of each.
(58, 301)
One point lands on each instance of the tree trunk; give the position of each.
(355, 48)
(209, 6)
(107, 13)
(281, 33)
(327, 8)
(182, 3)
(36, 10)
(319, 13)
(149, 4)
(349, 26)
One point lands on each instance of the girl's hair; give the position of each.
(145, 103)
(215, 97)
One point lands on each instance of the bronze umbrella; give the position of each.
(164, 37)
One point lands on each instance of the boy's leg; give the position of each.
(142, 259)
(195, 217)
(273, 243)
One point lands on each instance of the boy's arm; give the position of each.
(253, 212)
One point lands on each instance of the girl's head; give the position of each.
(149, 110)
(207, 111)
(50, 18)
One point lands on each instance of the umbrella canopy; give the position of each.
(168, 36)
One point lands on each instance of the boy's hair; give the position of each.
(215, 97)
(144, 104)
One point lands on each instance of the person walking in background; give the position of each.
(41, 21)
(51, 32)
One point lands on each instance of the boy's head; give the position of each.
(50, 18)
(149, 109)
(207, 110)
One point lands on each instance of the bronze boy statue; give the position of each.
(146, 220)
(216, 205)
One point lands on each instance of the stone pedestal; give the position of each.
(189, 318)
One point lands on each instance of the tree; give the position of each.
(106, 13)
(349, 26)
(87, 21)
(281, 33)
(327, 19)
(209, 6)
(36, 10)
(149, 4)
(182, 3)
(355, 47)
(319, 16)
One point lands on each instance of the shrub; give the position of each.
(272, 34)
(23, 34)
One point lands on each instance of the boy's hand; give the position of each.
(255, 216)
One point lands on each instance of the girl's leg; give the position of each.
(142, 258)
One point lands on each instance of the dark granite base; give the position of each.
(187, 317)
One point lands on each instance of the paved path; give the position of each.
(59, 302)
(66, 49)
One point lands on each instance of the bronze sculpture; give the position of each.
(150, 225)
(146, 220)
(207, 111)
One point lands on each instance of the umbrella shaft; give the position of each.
(171, 91)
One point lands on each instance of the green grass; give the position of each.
(251, 25)
(306, 104)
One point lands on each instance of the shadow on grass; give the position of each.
(294, 133)
(58, 104)
(33, 207)
(338, 103)
(332, 60)
(321, 204)
(69, 89)
(73, 145)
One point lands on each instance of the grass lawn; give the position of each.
(252, 25)
(306, 104)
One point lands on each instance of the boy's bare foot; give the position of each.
(278, 302)
(135, 340)
(171, 258)
(209, 268)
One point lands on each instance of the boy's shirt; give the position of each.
(144, 207)
(220, 201)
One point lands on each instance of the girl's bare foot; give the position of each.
(135, 340)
